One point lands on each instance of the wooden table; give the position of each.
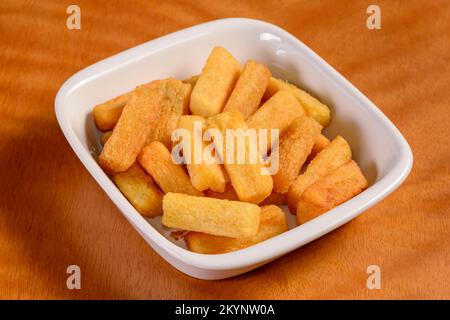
(53, 214)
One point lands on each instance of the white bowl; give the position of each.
(383, 154)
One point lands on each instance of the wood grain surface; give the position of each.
(53, 214)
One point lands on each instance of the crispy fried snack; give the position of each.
(295, 146)
(336, 154)
(108, 113)
(140, 190)
(247, 179)
(228, 193)
(213, 216)
(273, 222)
(276, 113)
(203, 175)
(174, 104)
(170, 177)
(339, 186)
(313, 107)
(138, 118)
(214, 86)
(319, 145)
(249, 89)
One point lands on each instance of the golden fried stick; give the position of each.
(170, 177)
(203, 175)
(276, 113)
(174, 104)
(213, 216)
(248, 179)
(249, 89)
(295, 146)
(140, 190)
(339, 186)
(138, 118)
(336, 154)
(214, 86)
(273, 222)
(313, 107)
(108, 113)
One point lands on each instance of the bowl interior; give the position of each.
(183, 54)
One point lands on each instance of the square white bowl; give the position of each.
(383, 154)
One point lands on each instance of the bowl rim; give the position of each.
(268, 249)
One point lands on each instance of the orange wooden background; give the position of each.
(52, 213)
